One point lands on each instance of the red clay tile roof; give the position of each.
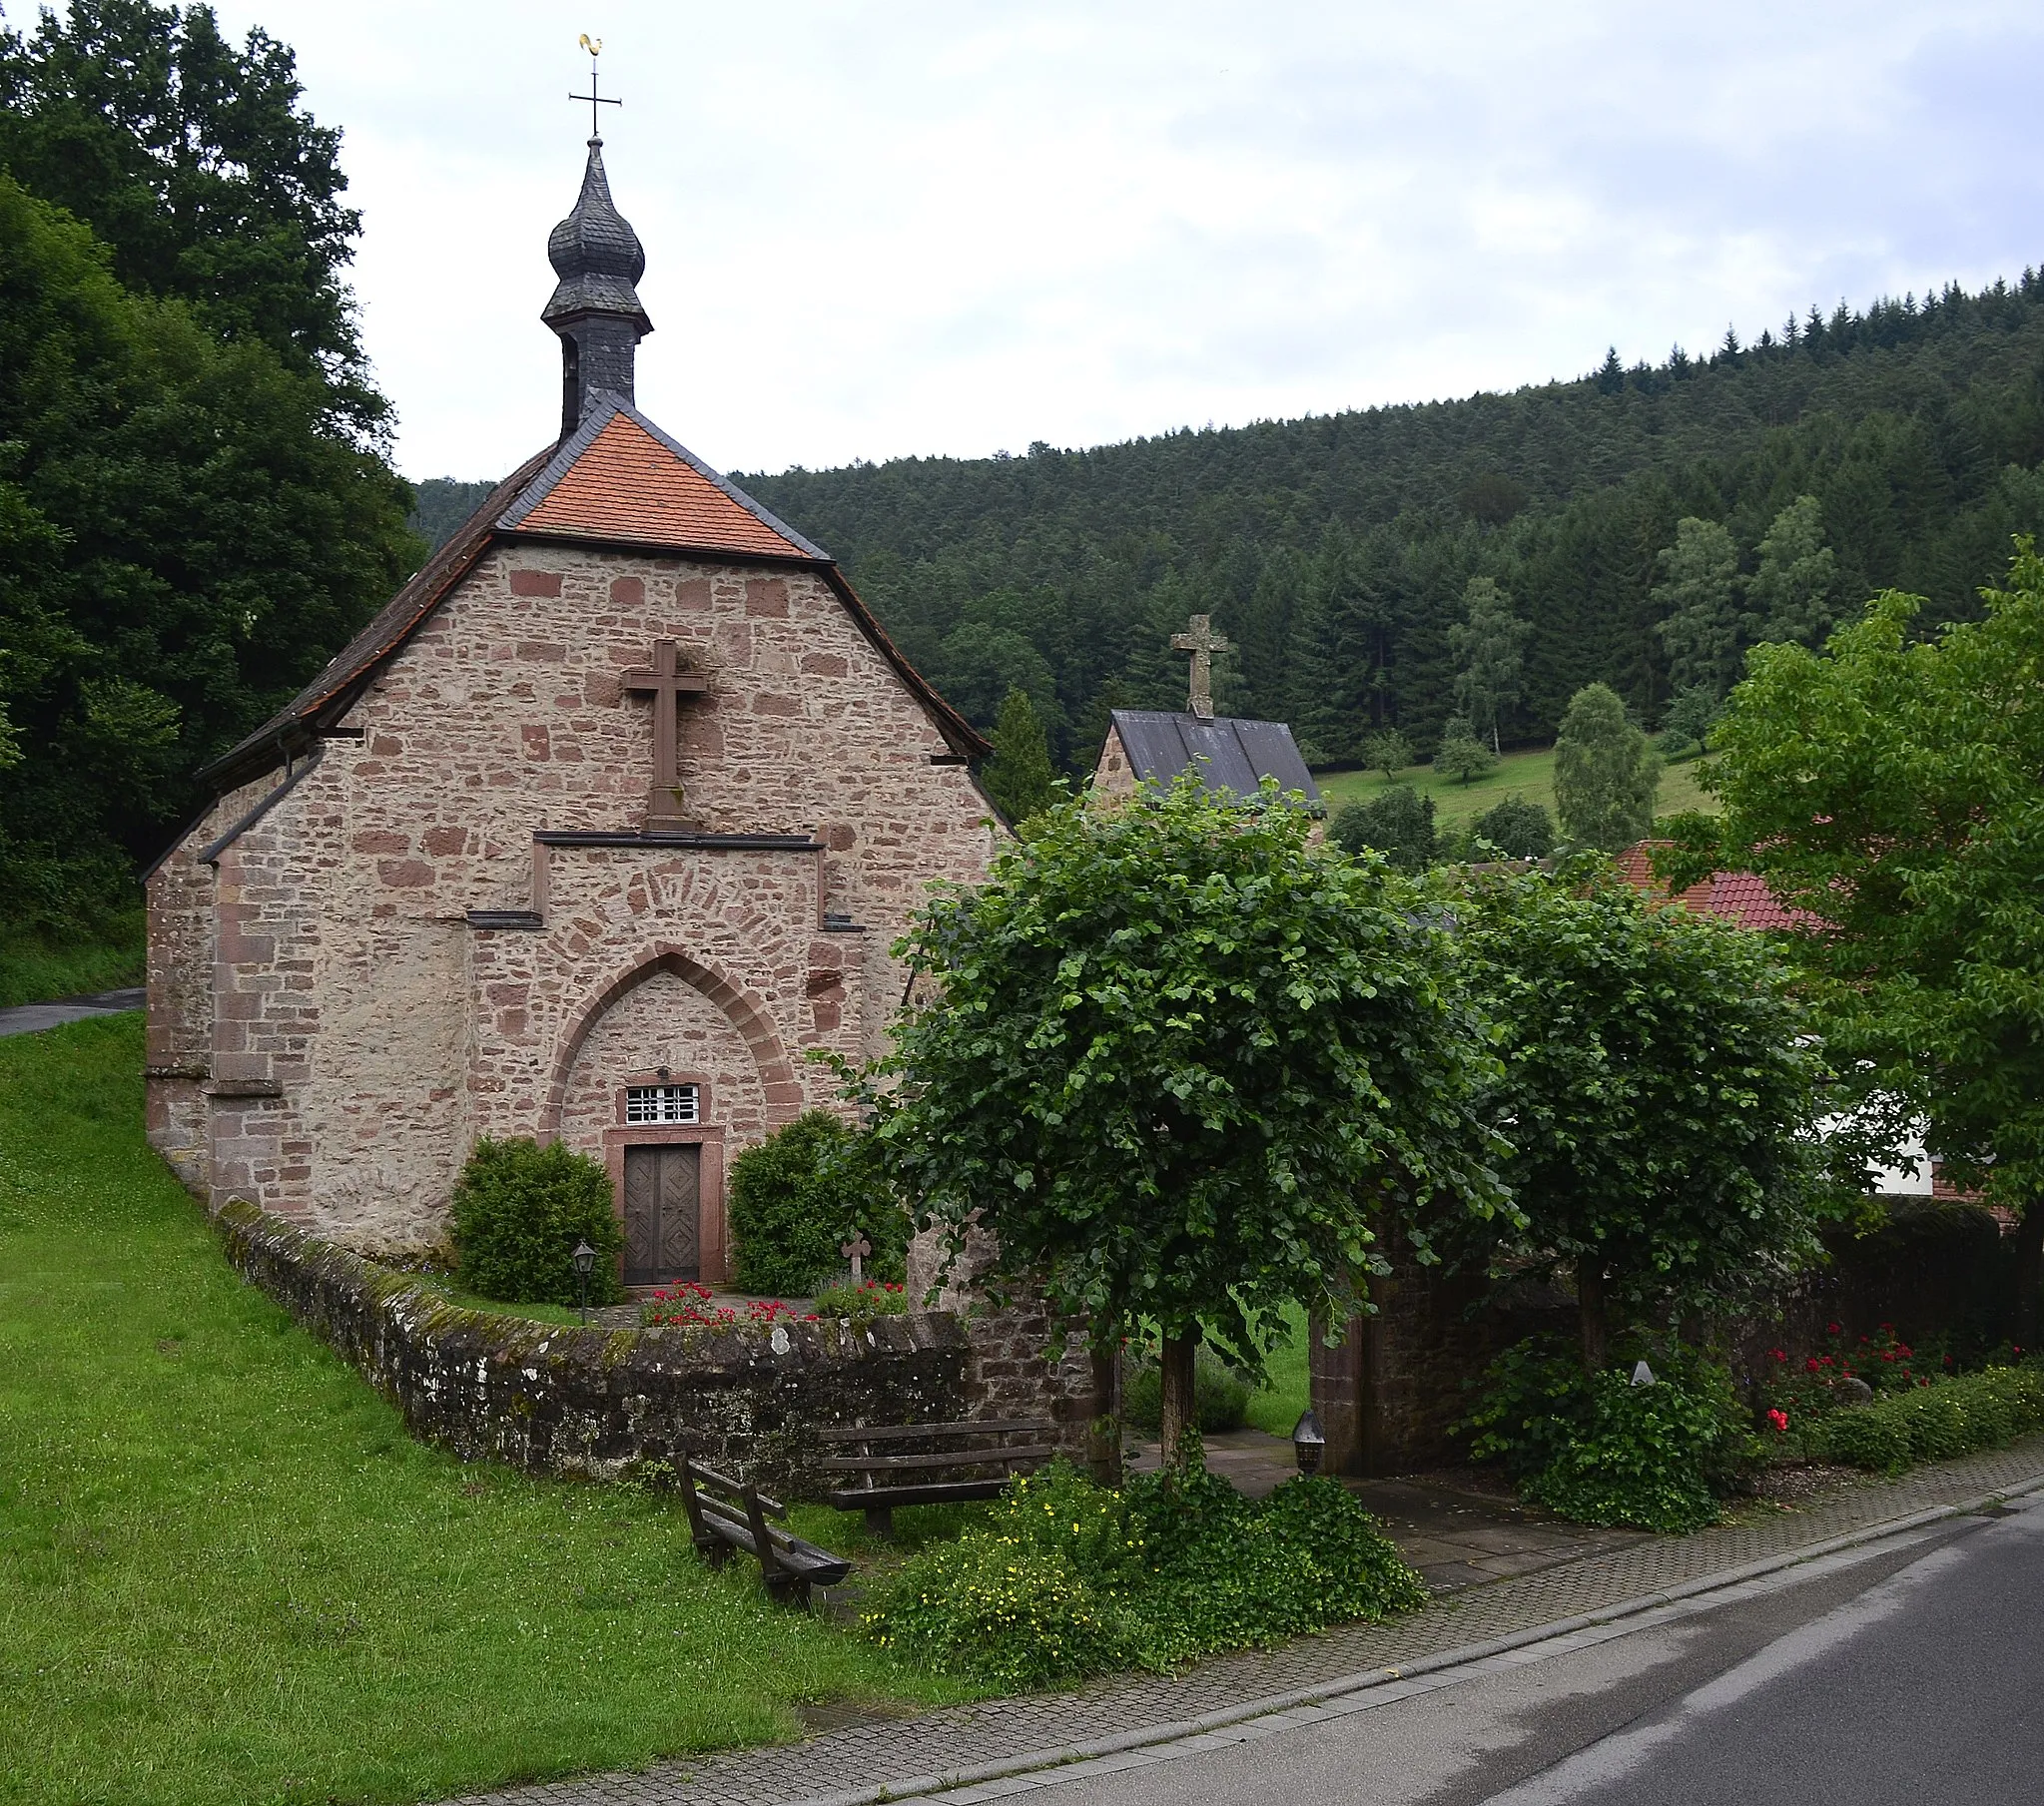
(629, 484)
(1742, 898)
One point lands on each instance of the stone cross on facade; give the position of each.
(856, 1251)
(667, 683)
(1202, 642)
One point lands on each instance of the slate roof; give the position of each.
(1740, 898)
(618, 480)
(1229, 755)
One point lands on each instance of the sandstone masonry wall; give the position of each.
(330, 1034)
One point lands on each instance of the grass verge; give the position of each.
(228, 1575)
(34, 970)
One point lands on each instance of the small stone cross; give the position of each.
(1202, 642)
(856, 1251)
(667, 683)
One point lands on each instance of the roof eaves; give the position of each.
(958, 732)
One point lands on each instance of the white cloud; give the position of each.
(883, 229)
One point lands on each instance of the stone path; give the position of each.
(1455, 1537)
(27, 1018)
(859, 1761)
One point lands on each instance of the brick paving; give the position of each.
(870, 1757)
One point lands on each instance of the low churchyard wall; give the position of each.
(593, 1400)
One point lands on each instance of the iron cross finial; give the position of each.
(594, 46)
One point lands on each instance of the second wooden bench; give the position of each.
(904, 1463)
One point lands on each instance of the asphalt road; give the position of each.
(28, 1019)
(1913, 1679)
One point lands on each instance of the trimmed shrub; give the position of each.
(1398, 823)
(799, 1196)
(1070, 1579)
(1516, 827)
(1221, 1396)
(1604, 1450)
(1939, 1419)
(519, 1212)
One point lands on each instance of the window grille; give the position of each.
(662, 1103)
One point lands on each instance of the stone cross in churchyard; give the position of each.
(856, 1251)
(1202, 642)
(667, 683)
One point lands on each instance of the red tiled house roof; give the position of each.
(1740, 898)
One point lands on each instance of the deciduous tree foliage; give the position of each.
(192, 161)
(185, 538)
(1893, 788)
(1661, 1092)
(1489, 649)
(1178, 1060)
(1605, 772)
(1398, 823)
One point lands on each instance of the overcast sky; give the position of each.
(919, 227)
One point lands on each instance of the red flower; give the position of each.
(1831, 1329)
(1811, 1365)
(1780, 1420)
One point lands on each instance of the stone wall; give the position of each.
(591, 1400)
(1388, 1391)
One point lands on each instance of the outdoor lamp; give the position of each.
(584, 1258)
(1307, 1442)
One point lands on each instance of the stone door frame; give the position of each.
(713, 1237)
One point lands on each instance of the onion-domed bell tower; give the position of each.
(595, 306)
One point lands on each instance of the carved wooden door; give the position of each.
(662, 1210)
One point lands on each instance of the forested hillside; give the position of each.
(1338, 551)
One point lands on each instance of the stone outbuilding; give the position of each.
(596, 831)
(1230, 755)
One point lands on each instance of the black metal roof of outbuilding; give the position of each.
(1229, 755)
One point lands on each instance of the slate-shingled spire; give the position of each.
(595, 307)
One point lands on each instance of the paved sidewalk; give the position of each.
(862, 1758)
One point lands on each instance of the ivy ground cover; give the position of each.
(228, 1575)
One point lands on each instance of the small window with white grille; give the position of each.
(662, 1103)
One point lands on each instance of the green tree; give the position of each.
(186, 536)
(1489, 649)
(1398, 823)
(1019, 776)
(1891, 789)
(1178, 1064)
(1517, 828)
(1461, 755)
(196, 164)
(1661, 1094)
(1387, 751)
(1605, 772)
(1689, 717)
(1789, 596)
(1698, 603)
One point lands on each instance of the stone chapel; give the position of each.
(601, 825)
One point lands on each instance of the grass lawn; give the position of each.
(1530, 775)
(1285, 1391)
(228, 1575)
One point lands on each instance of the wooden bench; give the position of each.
(891, 1461)
(726, 1515)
